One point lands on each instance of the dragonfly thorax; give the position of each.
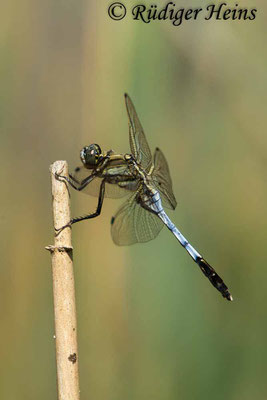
(128, 157)
(91, 155)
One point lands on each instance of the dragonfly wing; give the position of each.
(112, 191)
(162, 180)
(134, 224)
(138, 143)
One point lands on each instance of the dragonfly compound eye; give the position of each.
(90, 154)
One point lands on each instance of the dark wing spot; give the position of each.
(77, 169)
(112, 220)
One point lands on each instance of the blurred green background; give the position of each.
(150, 326)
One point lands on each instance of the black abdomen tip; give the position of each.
(214, 278)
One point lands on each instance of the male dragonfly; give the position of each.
(147, 179)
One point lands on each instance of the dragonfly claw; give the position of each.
(59, 177)
(59, 230)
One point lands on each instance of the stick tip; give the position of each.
(57, 166)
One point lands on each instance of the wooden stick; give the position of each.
(63, 290)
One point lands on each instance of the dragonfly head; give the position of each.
(91, 155)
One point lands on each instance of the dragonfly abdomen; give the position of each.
(207, 270)
(182, 240)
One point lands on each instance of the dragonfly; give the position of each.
(147, 182)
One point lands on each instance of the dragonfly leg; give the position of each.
(91, 215)
(73, 178)
(99, 206)
(78, 186)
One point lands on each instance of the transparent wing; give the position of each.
(162, 180)
(138, 144)
(111, 191)
(133, 224)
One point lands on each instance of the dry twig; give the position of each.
(63, 290)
